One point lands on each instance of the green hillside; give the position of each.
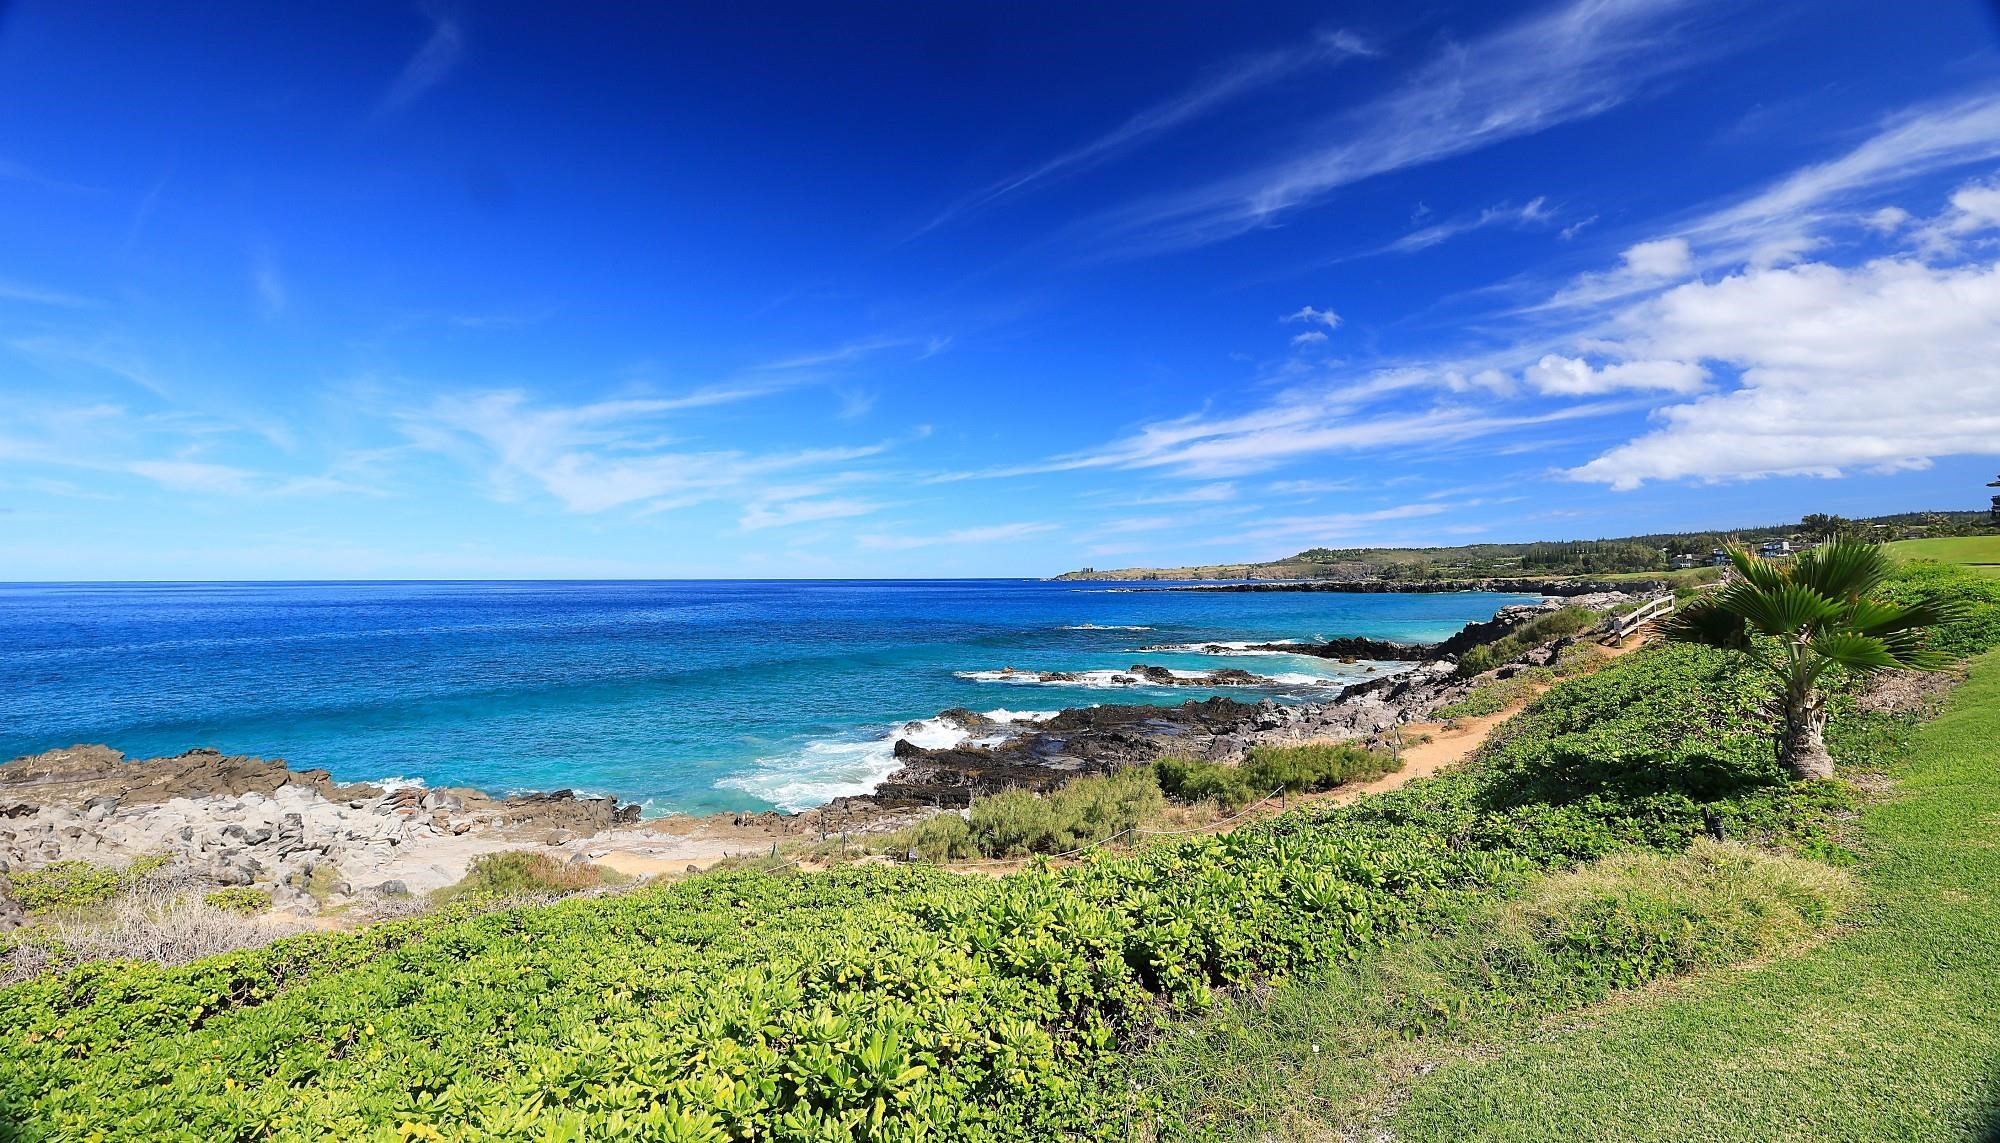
(1621, 555)
(1981, 553)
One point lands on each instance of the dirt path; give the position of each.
(1449, 743)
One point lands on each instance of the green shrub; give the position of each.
(1305, 768)
(945, 837)
(1542, 629)
(523, 872)
(1314, 766)
(1577, 659)
(1192, 780)
(1976, 629)
(65, 885)
(242, 900)
(1015, 823)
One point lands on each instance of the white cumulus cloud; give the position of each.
(1882, 366)
(1575, 377)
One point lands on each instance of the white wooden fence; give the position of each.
(1617, 627)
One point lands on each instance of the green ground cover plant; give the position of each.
(888, 1003)
(243, 900)
(1495, 695)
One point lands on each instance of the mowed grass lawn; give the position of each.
(1889, 1031)
(1981, 552)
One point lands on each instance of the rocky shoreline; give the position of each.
(315, 844)
(1551, 587)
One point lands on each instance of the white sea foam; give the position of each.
(398, 783)
(1108, 680)
(1106, 627)
(846, 765)
(1005, 715)
(1212, 647)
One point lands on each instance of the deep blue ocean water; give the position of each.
(683, 695)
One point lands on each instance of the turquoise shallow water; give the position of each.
(683, 695)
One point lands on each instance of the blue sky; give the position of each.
(358, 290)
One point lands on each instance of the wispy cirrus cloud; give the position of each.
(982, 534)
(1571, 62)
(267, 281)
(1535, 211)
(171, 451)
(1332, 525)
(1216, 493)
(1792, 216)
(431, 64)
(1909, 145)
(1221, 85)
(1300, 424)
(605, 454)
(787, 513)
(11, 291)
(15, 171)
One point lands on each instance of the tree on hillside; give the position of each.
(1801, 619)
(1822, 526)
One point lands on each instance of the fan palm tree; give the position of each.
(1800, 620)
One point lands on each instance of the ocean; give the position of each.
(689, 696)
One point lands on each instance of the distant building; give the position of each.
(1719, 557)
(1772, 549)
(1684, 562)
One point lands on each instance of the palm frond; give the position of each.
(1761, 572)
(1789, 609)
(1855, 650)
(1873, 617)
(1841, 569)
(1913, 652)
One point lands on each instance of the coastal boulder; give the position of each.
(12, 916)
(970, 721)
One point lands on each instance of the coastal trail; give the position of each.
(1435, 746)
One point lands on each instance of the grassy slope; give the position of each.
(1891, 1031)
(1983, 552)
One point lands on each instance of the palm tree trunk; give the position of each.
(1803, 747)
